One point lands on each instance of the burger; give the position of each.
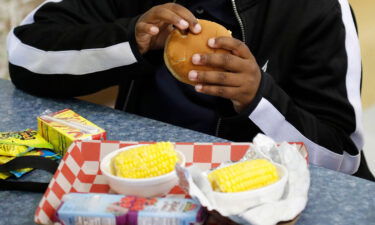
(180, 47)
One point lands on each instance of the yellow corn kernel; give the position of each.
(145, 161)
(243, 176)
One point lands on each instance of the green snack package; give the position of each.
(16, 143)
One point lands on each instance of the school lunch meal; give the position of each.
(141, 176)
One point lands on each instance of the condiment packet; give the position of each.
(256, 206)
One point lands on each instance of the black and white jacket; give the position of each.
(308, 51)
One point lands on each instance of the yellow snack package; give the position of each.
(19, 172)
(63, 127)
(12, 150)
(16, 143)
(4, 175)
(5, 159)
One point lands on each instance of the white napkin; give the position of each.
(292, 202)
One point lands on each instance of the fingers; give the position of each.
(153, 26)
(146, 29)
(185, 14)
(219, 91)
(225, 61)
(221, 84)
(175, 14)
(236, 46)
(144, 33)
(215, 77)
(239, 83)
(240, 80)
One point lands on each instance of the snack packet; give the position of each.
(102, 209)
(4, 175)
(16, 143)
(20, 172)
(12, 150)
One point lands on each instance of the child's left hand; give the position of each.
(241, 79)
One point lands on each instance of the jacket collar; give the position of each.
(242, 5)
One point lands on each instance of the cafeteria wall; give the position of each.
(12, 12)
(364, 11)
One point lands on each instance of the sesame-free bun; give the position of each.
(180, 47)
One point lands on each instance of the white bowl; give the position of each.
(143, 187)
(252, 198)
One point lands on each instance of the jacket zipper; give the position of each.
(128, 95)
(243, 39)
(239, 20)
(218, 127)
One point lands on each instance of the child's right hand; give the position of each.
(153, 26)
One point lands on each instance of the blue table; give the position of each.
(334, 198)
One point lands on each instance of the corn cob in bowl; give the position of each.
(142, 170)
(244, 176)
(248, 183)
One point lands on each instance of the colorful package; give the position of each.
(63, 127)
(4, 175)
(18, 173)
(16, 143)
(103, 209)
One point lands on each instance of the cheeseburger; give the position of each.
(180, 47)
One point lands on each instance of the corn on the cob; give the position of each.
(145, 161)
(243, 176)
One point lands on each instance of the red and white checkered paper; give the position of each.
(79, 169)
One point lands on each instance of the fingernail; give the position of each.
(196, 59)
(198, 87)
(211, 42)
(184, 24)
(154, 30)
(197, 28)
(193, 75)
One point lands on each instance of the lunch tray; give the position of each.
(79, 169)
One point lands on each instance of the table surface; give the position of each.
(334, 198)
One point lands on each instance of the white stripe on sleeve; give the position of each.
(353, 75)
(274, 125)
(75, 62)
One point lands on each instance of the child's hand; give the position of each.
(153, 26)
(241, 80)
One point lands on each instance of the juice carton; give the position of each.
(105, 209)
(63, 127)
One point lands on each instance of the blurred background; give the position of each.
(12, 12)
